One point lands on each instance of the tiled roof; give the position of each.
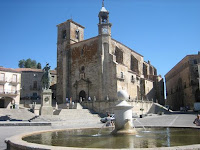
(29, 70)
(34, 70)
(53, 71)
(9, 70)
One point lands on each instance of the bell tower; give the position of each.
(104, 25)
(105, 52)
(69, 32)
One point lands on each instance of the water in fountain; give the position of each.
(141, 125)
(99, 132)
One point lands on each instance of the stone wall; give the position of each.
(182, 83)
(139, 107)
(84, 69)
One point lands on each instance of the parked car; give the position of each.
(104, 120)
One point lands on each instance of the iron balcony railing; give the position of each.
(3, 80)
(120, 77)
(9, 92)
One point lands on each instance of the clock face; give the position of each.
(104, 30)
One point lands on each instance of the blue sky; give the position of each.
(163, 31)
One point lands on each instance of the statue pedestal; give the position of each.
(46, 103)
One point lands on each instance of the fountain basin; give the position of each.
(171, 136)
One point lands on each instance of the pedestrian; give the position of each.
(108, 120)
(89, 98)
(197, 120)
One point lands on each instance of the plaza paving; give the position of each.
(171, 120)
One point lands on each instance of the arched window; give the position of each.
(77, 34)
(64, 34)
(82, 69)
(119, 55)
(122, 75)
(132, 78)
(134, 64)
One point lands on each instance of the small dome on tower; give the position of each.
(103, 9)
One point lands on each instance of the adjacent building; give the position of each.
(10, 84)
(31, 86)
(100, 66)
(182, 84)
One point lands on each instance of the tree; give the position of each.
(21, 63)
(33, 64)
(39, 66)
(29, 63)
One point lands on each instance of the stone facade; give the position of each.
(10, 84)
(31, 86)
(100, 66)
(182, 84)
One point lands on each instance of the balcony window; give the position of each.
(14, 78)
(2, 77)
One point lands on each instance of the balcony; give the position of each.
(8, 93)
(13, 82)
(120, 77)
(3, 81)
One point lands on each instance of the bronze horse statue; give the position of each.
(46, 78)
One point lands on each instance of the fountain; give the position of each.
(123, 115)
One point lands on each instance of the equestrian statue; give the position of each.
(46, 77)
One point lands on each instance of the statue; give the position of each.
(46, 78)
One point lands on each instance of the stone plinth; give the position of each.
(46, 103)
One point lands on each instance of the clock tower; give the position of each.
(106, 72)
(104, 25)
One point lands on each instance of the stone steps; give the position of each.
(15, 115)
(70, 115)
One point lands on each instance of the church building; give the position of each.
(101, 66)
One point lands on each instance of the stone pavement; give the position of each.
(8, 131)
(171, 120)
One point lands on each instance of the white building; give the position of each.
(10, 84)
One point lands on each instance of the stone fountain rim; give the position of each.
(17, 142)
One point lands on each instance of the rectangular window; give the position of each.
(35, 85)
(195, 61)
(2, 77)
(14, 78)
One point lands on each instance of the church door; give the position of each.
(82, 94)
(2, 101)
